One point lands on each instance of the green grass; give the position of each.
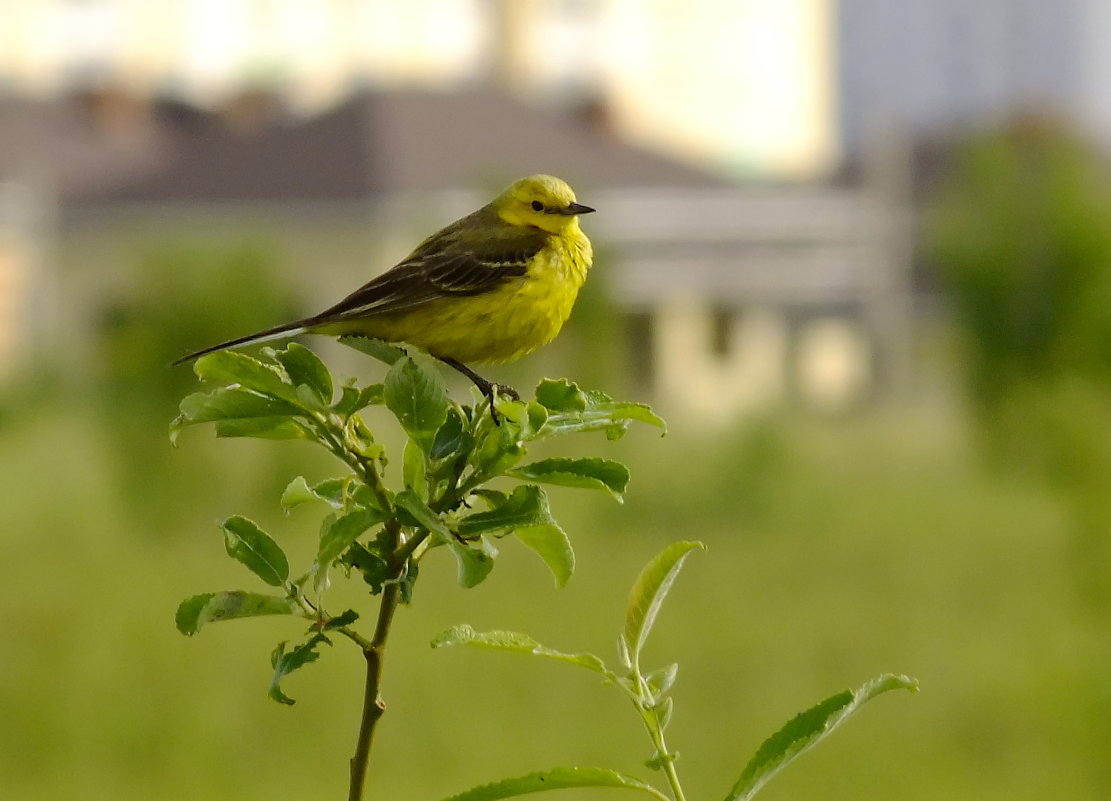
(837, 550)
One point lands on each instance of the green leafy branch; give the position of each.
(648, 694)
(381, 534)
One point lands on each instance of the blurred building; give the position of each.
(23, 240)
(745, 296)
(935, 68)
(326, 123)
(738, 85)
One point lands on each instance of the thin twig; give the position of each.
(402, 554)
(373, 705)
(637, 694)
(363, 468)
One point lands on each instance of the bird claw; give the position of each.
(487, 388)
(492, 393)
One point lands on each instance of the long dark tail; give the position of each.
(278, 331)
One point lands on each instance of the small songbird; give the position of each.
(490, 287)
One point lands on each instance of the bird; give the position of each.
(492, 286)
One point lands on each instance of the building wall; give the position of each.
(744, 86)
(934, 66)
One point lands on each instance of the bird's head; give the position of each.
(540, 201)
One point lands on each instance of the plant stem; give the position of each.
(667, 761)
(374, 653)
(373, 705)
(640, 695)
(401, 555)
(363, 469)
(672, 775)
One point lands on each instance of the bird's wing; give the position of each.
(432, 273)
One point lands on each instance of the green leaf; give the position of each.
(498, 448)
(304, 368)
(297, 492)
(493, 498)
(515, 411)
(632, 412)
(262, 428)
(229, 403)
(600, 415)
(649, 591)
(224, 403)
(342, 619)
(337, 493)
(553, 546)
(416, 396)
(233, 367)
(382, 351)
(572, 410)
(658, 761)
(348, 402)
(527, 506)
(422, 515)
(623, 652)
(337, 534)
(360, 439)
(414, 468)
(307, 397)
(475, 560)
(517, 643)
(247, 543)
(662, 711)
(372, 395)
(210, 607)
(560, 396)
(451, 438)
(370, 564)
(409, 581)
(285, 662)
(537, 415)
(188, 617)
(330, 491)
(661, 681)
(555, 779)
(807, 729)
(526, 512)
(353, 399)
(602, 474)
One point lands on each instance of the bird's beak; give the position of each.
(576, 208)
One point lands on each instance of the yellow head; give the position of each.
(540, 201)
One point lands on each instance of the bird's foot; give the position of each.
(487, 388)
(491, 391)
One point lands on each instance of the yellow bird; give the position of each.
(490, 287)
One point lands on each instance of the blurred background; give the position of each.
(858, 252)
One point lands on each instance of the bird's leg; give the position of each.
(487, 388)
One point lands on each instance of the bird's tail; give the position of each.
(277, 332)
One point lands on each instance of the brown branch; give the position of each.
(374, 653)
(373, 705)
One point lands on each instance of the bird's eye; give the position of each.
(537, 205)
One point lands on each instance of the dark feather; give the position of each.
(439, 269)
